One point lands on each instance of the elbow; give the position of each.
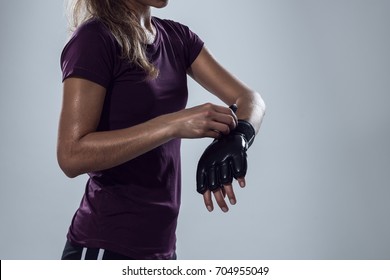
(70, 173)
(258, 104)
(262, 106)
(67, 165)
(68, 169)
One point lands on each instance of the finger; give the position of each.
(220, 200)
(225, 173)
(212, 134)
(241, 182)
(223, 192)
(230, 194)
(222, 114)
(220, 127)
(223, 109)
(239, 164)
(228, 119)
(208, 201)
(212, 179)
(200, 180)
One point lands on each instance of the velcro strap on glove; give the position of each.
(247, 130)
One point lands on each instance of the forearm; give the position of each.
(102, 150)
(80, 152)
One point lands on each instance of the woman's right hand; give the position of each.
(207, 120)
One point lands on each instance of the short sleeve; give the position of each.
(194, 45)
(90, 54)
(190, 42)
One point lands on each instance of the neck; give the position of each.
(143, 13)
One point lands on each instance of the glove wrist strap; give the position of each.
(246, 129)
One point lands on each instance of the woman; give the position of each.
(123, 115)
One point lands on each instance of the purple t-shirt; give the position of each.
(132, 208)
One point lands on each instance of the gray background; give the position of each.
(318, 180)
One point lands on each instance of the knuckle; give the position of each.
(226, 129)
(207, 114)
(208, 109)
(208, 105)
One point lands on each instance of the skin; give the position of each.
(81, 149)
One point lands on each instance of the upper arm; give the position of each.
(212, 76)
(81, 109)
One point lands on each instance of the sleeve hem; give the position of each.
(85, 74)
(195, 53)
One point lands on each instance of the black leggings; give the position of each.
(74, 252)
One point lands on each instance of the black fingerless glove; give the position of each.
(225, 158)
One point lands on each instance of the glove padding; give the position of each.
(224, 159)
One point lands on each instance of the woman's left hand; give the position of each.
(220, 195)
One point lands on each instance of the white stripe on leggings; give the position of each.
(101, 254)
(83, 253)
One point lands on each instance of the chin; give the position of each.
(160, 3)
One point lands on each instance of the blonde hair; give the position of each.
(123, 24)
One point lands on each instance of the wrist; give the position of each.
(247, 130)
(167, 126)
